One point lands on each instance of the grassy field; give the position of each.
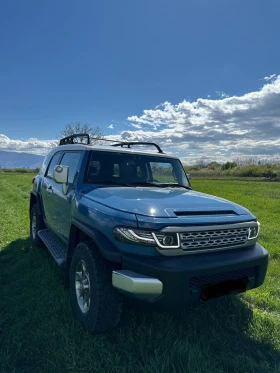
(38, 333)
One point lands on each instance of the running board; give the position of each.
(57, 250)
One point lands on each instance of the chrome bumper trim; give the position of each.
(136, 284)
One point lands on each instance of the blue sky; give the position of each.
(109, 62)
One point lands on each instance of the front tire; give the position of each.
(36, 224)
(94, 301)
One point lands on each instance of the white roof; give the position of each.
(113, 149)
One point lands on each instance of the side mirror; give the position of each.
(189, 176)
(60, 174)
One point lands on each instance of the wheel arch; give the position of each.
(35, 200)
(80, 233)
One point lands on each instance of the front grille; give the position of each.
(198, 282)
(217, 238)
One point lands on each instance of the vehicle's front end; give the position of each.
(177, 245)
(210, 261)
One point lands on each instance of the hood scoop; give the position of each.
(205, 213)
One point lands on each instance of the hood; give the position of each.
(164, 202)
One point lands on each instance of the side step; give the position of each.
(57, 250)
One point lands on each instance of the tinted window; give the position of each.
(163, 172)
(71, 160)
(122, 168)
(53, 163)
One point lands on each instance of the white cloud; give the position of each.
(33, 145)
(111, 126)
(222, 129)
(270, 77)
(138, 126)
(221, 94)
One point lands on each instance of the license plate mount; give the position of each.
(224, 288)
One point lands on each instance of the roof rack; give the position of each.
(128, 144)
(85, 139)
(77, 138)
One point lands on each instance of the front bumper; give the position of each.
(183, 278)
(136, 284)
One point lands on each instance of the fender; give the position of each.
(107, 249)
(35, 198)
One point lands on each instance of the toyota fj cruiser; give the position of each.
(122, 219)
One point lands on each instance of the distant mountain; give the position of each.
(19, 160)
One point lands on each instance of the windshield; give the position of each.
(131, 169)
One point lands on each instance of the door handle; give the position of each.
(49, 189)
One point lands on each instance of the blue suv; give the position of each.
(123, 220)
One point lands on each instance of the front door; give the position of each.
(57, 205)
(62, 203)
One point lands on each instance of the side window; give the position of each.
(45, 165)
(53, 163)
(71, 159)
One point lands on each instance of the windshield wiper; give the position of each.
(141, 183)
(114, 183)
(144, 183)
(159, 185)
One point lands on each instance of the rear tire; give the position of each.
(36, 224)
(94, 301)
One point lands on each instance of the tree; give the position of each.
(213, 165)
(200, 163)
(229, 165)
(78, 127)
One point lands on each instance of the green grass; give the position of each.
(38, 333)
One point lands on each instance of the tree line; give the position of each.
(241, 167)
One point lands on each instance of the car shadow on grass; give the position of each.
(221, 335)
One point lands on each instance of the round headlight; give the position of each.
(168, 240)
